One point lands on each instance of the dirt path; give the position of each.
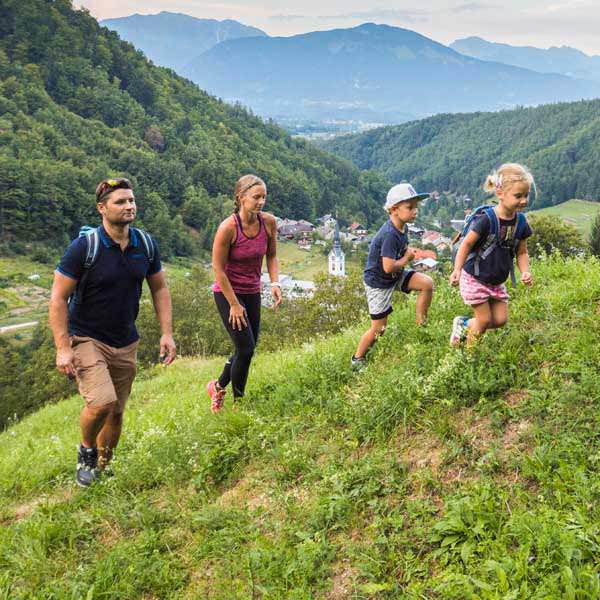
(18, 326)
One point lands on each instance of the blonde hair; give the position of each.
(507, 174)
(244, 183)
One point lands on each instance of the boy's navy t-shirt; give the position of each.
(495, 269)
(112, 292)
(391, 243)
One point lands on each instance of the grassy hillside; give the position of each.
(23, 300)
(580, 213)
(559, 142)
(431, 474)
(302, 264)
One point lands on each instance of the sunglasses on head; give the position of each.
(108, 185)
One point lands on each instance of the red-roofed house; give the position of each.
(420, 254)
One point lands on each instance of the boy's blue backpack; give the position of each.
(485, 248)
(93, 242)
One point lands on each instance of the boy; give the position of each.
(389, 255)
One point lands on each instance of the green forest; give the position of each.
(560, 143)
(77, 104)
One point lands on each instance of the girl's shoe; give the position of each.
(358, 364)
(217, 397)
(459, 330)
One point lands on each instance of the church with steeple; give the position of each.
(337, 259)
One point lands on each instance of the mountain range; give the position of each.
(371, 73)
(387, 73)
(564, 60)
(173, 39)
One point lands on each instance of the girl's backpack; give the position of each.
(485, 248)
(92, 237)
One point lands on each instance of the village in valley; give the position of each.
(431, 245)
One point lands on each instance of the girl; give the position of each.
(241, 242)
(484, 260)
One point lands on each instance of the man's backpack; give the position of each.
(93, 244)
(487, 246)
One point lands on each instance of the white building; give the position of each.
(425, 264)
(337, 259)
(290, 288)
(457, 224)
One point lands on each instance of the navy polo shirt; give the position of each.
(391, 243)
(112, 292)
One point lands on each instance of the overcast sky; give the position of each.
(541, 23)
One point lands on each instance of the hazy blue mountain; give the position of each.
(173, 39)
(563, 60)
(385, 72)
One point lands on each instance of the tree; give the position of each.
(550, 234)
(154, 138)
(595, 236)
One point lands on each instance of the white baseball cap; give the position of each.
(400, 193)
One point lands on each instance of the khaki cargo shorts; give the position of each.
(104, 374)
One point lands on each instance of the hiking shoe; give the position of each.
(459, 330)
(217, 397)
(87, 464)
(358, 364)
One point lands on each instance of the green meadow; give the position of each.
(580, 213)
(431, 474)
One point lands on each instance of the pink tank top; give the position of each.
(244, 265)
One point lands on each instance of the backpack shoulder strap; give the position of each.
(488, 243)
(92, 239)
(147, 243)
(520, 227)
(493, 218)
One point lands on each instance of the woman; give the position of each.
(241, 243)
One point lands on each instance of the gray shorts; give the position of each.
(380, 299)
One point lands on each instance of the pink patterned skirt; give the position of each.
(475, 292)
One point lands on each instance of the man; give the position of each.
(92, 316)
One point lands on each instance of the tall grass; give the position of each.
(431, 474)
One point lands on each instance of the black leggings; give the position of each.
(237, 367)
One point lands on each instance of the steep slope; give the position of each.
(173, 39)
(564, 60)
(380, 70)
(431, 474)
(78, 104)
(559, 142)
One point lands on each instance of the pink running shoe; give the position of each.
(217, 398)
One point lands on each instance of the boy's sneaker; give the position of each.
(358, 364)
(87, 464)
(459, 330)
(217, 397)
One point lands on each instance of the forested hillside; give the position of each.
(559, 142)
(78, 104)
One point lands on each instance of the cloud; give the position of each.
(290, 17)
(104, 9)
(376, 14)
(472, 7)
